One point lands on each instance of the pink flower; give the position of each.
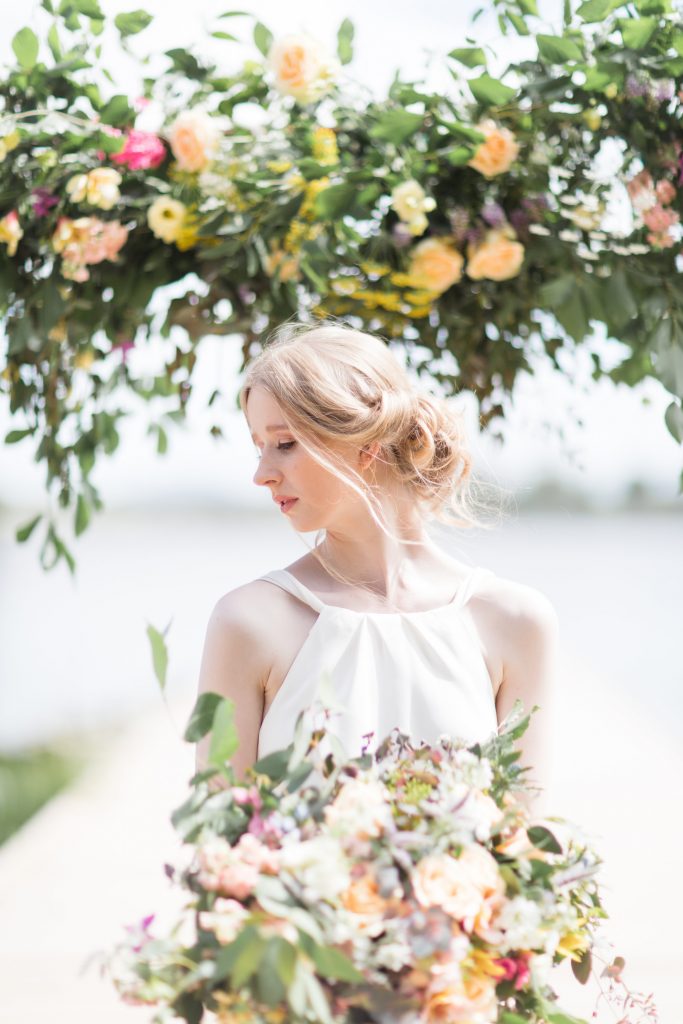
(658, 219)
(508, 965)
(141, 151)
(241, 795)
(661, 241)
(666, 193)
(43, 200)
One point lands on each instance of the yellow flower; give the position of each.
(99, 187)
(498, 151)
(611, 90)
(59, 333)
(8, 143)
(498, 258)
(374, 269)
(11, 232)
(84, 360)
(572, 944)
(324, 146)
(435, 266)
(279, 166)
(313, 189)
(411, 204)
(592, 119)
(166, 218)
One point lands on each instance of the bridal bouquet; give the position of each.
(408, 885)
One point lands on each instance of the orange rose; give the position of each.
(498, 151)
(302, 68)
(435, 265)
(498, 258)
(193, 138)
(362, 897)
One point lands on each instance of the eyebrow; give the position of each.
(275, 426)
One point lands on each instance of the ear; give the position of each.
(368, 454)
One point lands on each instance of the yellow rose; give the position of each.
(166, 218)
(99, 187)
(11, 232)
(435, 266)
(411, 204)
(193, 138)
(498, 151)
(302, 68)
(498, 258)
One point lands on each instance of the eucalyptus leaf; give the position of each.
(159, 653)
(637, 32)
(470, 56)
(558, 49)
(396, 126)
(673, 417)
(24, 532)
(224, 737)
(132, 22)
(345, 41)
(489, 91)
(201, 716)
(263, 38)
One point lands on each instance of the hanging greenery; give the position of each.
(474, 225)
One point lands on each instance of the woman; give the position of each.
(407, 635)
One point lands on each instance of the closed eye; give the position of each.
(283, 446)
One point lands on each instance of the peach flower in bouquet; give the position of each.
(497, 152)
(302, 67)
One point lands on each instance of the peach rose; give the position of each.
(450, 999)
(468, 887)
(498, 258)
(498, 151)
(302, 67)
(435, 265)
(193, 138)
(362, 897)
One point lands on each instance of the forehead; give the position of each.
(263, 412)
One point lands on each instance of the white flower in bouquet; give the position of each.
(521, 921)
(225, 920)
(319, 864)
(361, 808)
(475, 771)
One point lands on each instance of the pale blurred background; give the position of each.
(595, 522)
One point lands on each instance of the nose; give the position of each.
(264, 474)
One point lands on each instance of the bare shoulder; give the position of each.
(247, 610)
(517, 624)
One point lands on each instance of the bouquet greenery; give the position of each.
(407, 885)
(475, 226)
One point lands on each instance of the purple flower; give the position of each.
(664, 90)
(519, 220)
(634, 87)
(493, 214)
(402, 235)
(43, 201)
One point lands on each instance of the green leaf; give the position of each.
(528, 7)
(263, 38)
(248, 961)
(637, 32)
(470, 56)
(83, 510)
(132, 22)
(224, 738)
(24, 532)
(54, 43)
(159, 653)
(225, 35)
(518, 23)
(14, 436)
(543, 839)
(558, 49)
(471, 134)
(396, 126)
(673, 417)
(581, 969)
(654, 6)
(90, 8)
(345, 41)
(597, 10)
(507, 1017)
(459, 155)
(335, 201)
(117, 112)
(333, 964)
(201, 716)
(554, 293)
(489, 91)
(25, 46)
(597, 79)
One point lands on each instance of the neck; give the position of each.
(362, 552)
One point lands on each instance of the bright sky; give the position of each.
(623, 436)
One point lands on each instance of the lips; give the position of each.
(284, 502)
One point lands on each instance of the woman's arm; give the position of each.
(235, 665)
(530, 648)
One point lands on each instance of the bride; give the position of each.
(406, 635)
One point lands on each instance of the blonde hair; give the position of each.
(338, 384)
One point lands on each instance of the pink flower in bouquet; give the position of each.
(641, 191)
(85, 241)
(666, 192)
(659, 220)
(661, 240)
(469, 887)
(253, 852)
(142, 151)
(43, 200)
(241, 795)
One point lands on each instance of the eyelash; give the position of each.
(285, 446)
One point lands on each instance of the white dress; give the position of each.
(422, 671)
